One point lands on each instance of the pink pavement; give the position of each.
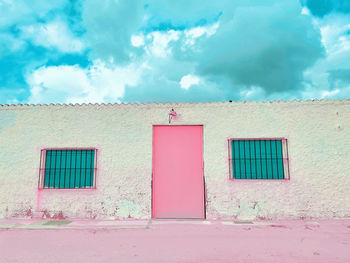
(174, 241)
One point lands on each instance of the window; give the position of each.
(258, 158)
(67, 168)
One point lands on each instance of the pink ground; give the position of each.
(175, 241)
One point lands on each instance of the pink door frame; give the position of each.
(153, 167)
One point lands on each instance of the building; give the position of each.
(232, 160)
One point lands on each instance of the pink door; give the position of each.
(178, 183)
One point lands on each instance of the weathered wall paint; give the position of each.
(318, 139)
(8, 119)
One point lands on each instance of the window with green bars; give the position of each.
(68, 168)
(259, 159)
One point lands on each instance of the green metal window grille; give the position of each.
(68, 168)
(258, 159)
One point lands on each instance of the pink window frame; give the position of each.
(43, 163)
(284, 154)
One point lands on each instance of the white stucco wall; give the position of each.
(319, 158)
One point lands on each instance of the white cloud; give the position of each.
(9, 43)
(252, 93)
(72, 84)
(327, 94)
(55, 34)
(316, 93)
(137, 40)
(19, 12)
(196, 32)
(333, 28)
(322, 81)
(187, 81)
(160, 41)
(305, 11)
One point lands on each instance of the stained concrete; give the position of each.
(175, 241)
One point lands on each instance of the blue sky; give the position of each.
(63, 51)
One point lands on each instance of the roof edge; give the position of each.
(177, 103)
